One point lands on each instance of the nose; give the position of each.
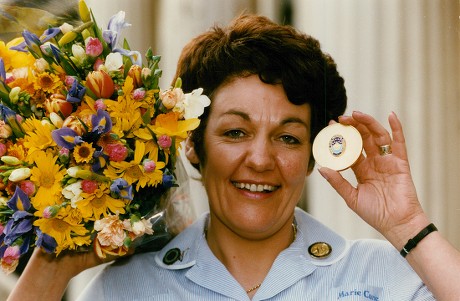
(260, 155)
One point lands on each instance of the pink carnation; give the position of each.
(99, 104)
(117, 152)
(139, 94)
(69, 80)
(164, 141)
(28, 187)
(149, 165)
(88, 186)
(10, 259)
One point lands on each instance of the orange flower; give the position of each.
(100, 83)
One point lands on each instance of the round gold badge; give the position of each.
(337, 146)
(320, 249)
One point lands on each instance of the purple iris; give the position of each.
(2, 70)
(21, 221)
(101, 122)
(66, 137)
(33, 41)
(116, 24)
(76, 92)
(112, 34)
(9, 116)
(46, 242)
(122, 189)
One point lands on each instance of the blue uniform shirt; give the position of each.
(354, 270)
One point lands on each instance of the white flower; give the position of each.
(42, 65)
(72, 171)
(19, 174)
(79, 54)
(56, 120)
(73, 192)
(194, 104)
(65, 28)
(138, 228)
(113, 62)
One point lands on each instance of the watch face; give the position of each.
(337, 146)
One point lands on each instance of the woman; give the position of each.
(272, 91)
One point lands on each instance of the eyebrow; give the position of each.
(246, 117)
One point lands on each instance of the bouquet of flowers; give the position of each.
(88, 143)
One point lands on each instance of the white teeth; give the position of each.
(254, 187)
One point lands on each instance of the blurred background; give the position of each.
(401, 56)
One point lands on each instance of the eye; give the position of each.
(234, 134)
(288, 139)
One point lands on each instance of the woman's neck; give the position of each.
(248, 260)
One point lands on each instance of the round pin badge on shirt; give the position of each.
(337, 146)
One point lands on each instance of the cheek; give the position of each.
(295, 166)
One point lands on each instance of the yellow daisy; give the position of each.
(83, 153)
(47, 82)
(46, 175)
(38, 137)
(100, 203)
(63, 232)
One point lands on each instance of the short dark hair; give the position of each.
(278, 54)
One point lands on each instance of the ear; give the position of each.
(190, 152)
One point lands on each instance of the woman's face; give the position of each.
(257, 146)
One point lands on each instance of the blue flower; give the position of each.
(48, 243)
(66, 137)
(9, 116)
(21, 221)
(2, 70)
(122, 189)
(168, 180)
(101, 121)
(76, 92)
(116, 24)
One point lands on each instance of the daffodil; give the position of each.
(14, 59)
(46, 175)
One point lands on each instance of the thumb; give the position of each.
(342, 186)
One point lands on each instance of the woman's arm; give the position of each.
(46, 276)
(385, 198)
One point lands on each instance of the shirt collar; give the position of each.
(309, 231)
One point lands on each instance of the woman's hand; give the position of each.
(46, 276)
(385, 196)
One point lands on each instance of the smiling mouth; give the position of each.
(255, 187)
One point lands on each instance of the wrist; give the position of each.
(399, 235)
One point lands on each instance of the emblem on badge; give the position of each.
(337, 146)
(320, 249)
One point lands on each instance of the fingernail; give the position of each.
(323, 174)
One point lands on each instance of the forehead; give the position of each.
(256, 100)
